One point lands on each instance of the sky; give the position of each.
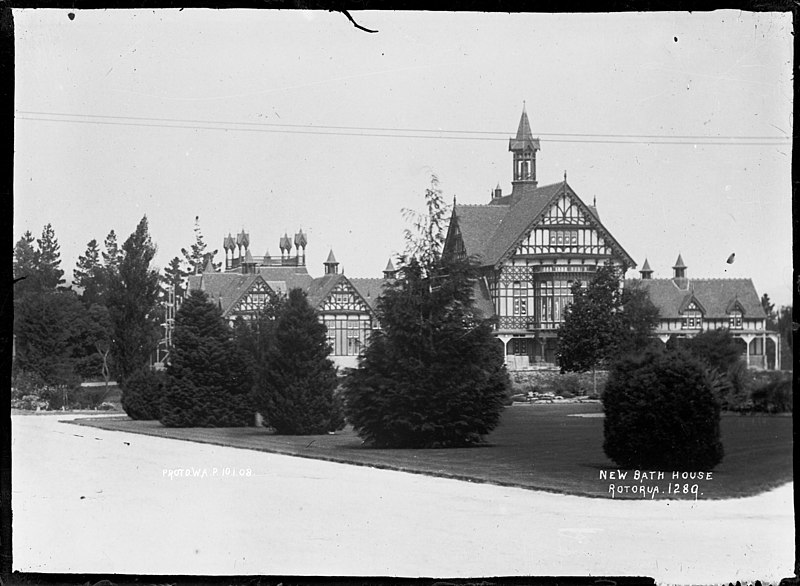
(678, 123)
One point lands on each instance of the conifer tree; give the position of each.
(47, 260)
(433, 375)
(174, 276)
(112, 255)
(88, 274)
(132, 302)
(295, 392)
(205, 387)
(24, 273)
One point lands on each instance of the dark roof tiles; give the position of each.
(715, 296)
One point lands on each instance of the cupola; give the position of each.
(524, 148)
(646, 272)
(331, 265)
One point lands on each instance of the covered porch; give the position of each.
(761, 350)
(529, 351)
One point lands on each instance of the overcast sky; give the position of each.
(172, 114)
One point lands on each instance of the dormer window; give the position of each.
(735, 320)
(692, 317)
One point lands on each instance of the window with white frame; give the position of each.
(735, 320)
(692, 317)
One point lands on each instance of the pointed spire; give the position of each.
(524, 139)
(679, 269)
(524, 130)
(209, 268)
(389, 272)
(331, 265)
(646, 272)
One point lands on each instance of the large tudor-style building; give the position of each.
(531, 244)
(346, 306)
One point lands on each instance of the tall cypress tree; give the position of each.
(205, 387)
(297, 380)
(88, 274)
(47, 260)
(132, 302)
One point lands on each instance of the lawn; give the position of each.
(554, 448)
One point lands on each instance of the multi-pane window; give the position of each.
(347, 336)
(563, 237)
(735, 320)
(692, 317)
(552, 298)
(520, 293)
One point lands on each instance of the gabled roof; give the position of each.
(477, 224)
(714, 295)
(492, 231)
(688, 300)
(369, 289)
(320, 288)
(224, 289)
(522, 214)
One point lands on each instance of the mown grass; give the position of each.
(541, 447)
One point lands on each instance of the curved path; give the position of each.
(89, 500)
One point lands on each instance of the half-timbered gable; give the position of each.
(253, 299)
(235, 294)
(348, 317)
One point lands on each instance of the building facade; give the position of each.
(532, 245)
(689, 306)
(346, 306)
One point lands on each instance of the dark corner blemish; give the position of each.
(676, 39)
(71, 15)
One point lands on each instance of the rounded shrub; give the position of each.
(661, 414)
(142, 393)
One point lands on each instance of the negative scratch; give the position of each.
(350, 18)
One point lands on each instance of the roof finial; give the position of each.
(523, 105)
(565, 175)
(594, 201)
